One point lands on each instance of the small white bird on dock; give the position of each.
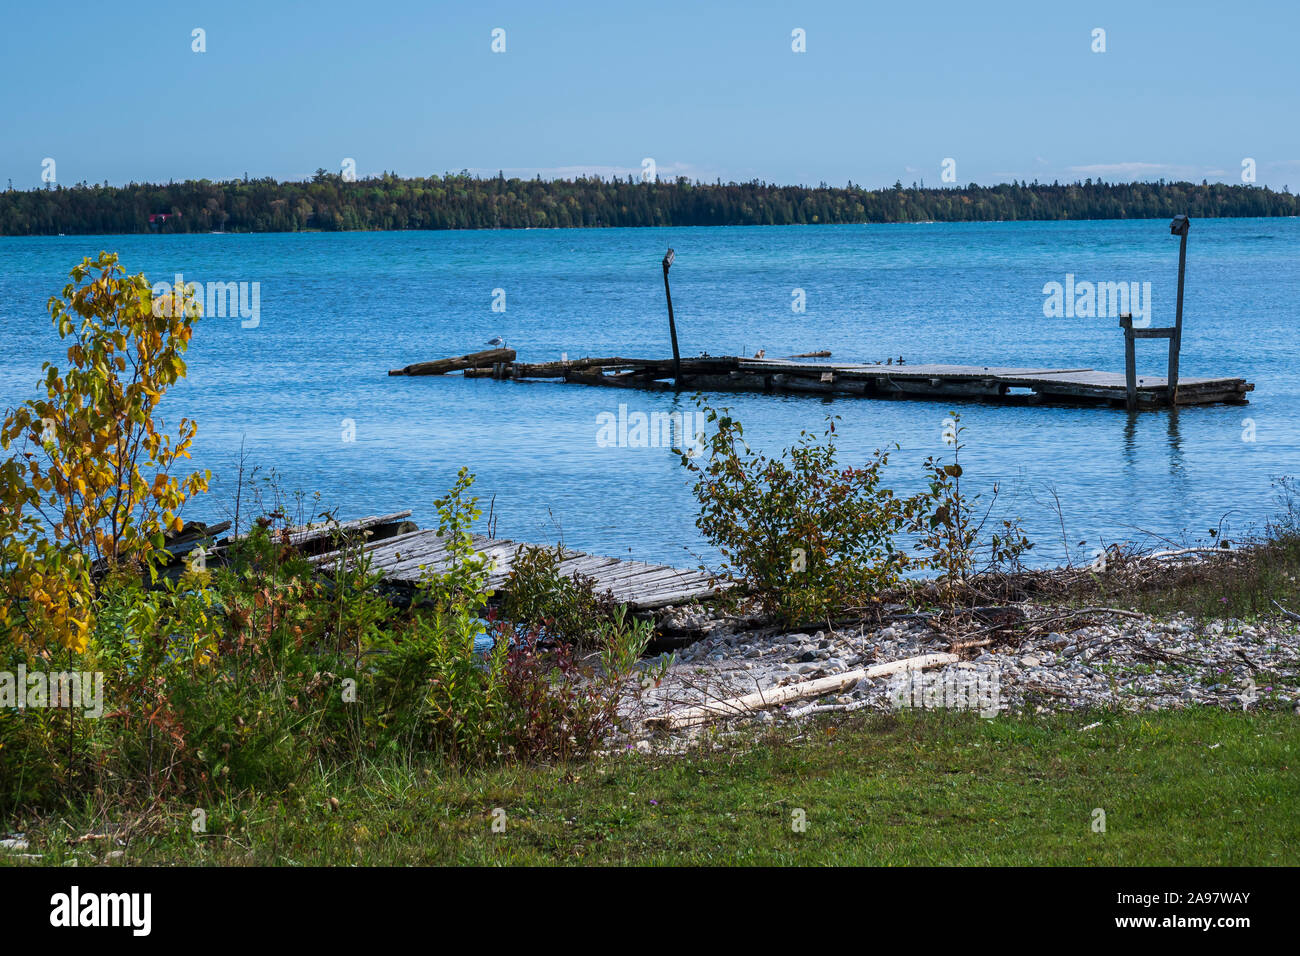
(496, 341)
(760, 353)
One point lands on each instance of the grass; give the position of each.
(1242, 584)
(1200, 786)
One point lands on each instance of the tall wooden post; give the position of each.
(1178, 228)
(672, 326)
(1130, 362)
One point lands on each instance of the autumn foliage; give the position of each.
(88, 489)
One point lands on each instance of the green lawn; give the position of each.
(1190, 787)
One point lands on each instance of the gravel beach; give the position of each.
(1056, 660)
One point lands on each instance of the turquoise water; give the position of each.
(338, 310)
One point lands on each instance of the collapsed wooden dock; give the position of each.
(1033, 385)
(403, 554)
(405, 558)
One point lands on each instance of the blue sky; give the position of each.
(884, 92)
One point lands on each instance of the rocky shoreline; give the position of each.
(1051, 659)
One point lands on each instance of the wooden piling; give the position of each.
(1130, 363)
(1178, 227)
(672, 326)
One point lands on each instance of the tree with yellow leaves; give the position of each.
(88, 491)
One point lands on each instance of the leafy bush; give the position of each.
(561, 606)
(249, 674)
(230, 679)
(556, 709)
(91, 480)
(559, 708)
(810, 539)
(433, 687)
(806, 536)
(622, 640)
(475, 690)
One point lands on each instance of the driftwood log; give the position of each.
(457, 363)
(760, 700)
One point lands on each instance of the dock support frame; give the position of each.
(1173, 333)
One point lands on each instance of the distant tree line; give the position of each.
(330, 203)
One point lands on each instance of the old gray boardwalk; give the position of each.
(990, 383)
(404, 556)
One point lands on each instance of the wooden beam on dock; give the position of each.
(319, 536)
(457, 363)
(561, 369)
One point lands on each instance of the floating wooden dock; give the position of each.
(1035, 385)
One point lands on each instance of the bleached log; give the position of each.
(760, 700)
(1187, 552)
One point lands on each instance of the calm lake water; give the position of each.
(338, 310)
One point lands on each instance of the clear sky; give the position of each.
(885, 91)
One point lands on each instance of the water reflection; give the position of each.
(1173, 440)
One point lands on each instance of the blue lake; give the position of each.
(336, 311)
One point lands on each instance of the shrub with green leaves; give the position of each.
(478, 691)
(248, 674)
(804, 535)
(562, 606)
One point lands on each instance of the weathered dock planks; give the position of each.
(403, 554)
(1040, 385)
(1036, 385)
(406, 558)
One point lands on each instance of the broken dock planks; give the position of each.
(314, 540)
(322, 536)
(405, 558)
(402, 554)
(1038, 385)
